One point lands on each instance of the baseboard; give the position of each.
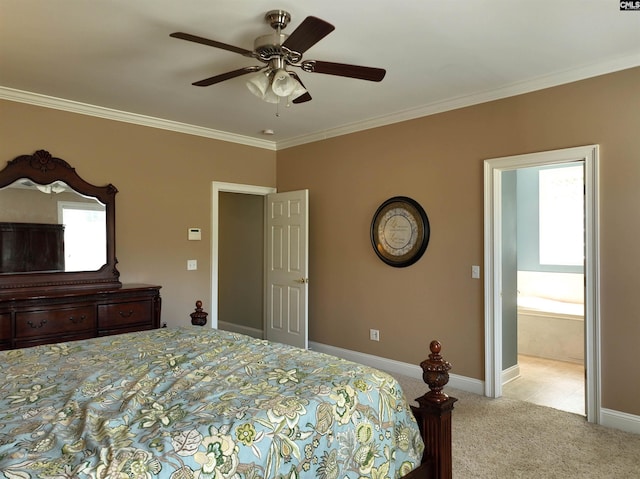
(510, 374)
(608, 417)
(237, 328)
(620, 420)
(392, 366)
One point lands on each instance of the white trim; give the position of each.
(127, 117)
(510, 374)
(518, 88)
(620, 420)
(392, 366)
(218, 187)
(493, 245)
(609, 417)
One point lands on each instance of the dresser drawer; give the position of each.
(58, 322)
(120, 315)
(5, 331)
(44, 317)
(5, 326)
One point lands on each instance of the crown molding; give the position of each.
(519, 88)
(127, 117)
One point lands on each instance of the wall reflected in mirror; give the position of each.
(50, 228)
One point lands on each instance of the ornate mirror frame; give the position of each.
(42, 168)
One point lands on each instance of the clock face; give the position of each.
(400, 231)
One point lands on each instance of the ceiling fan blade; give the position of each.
(211, 43)
(308, 33)
(344, 70)
(227, 76)
(302, 98)
(306, 96)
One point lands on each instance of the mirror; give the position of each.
(50, 228)
(56, 230)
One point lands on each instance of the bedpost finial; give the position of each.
(199, 317)
(435, 372)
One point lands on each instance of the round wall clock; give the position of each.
(400, 231)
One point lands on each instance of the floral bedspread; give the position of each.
(198, 403)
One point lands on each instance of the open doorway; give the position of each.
(543, 256)
(285, 264)
(258, 193)
(496, 285)
(240, 263)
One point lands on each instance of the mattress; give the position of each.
(199, 403)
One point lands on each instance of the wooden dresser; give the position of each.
(31, 319)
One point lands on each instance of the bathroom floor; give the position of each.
(556, 384)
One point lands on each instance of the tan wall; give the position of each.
(164, 179)
(32, 206)
(438, 161)
(164, 187)
(28, 206)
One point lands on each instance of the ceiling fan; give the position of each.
(279, 51)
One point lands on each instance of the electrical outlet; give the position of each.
(192, 264)
(374, 335)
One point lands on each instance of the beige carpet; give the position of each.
(507, 438)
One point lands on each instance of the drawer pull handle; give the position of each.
(76, 320)
(124, 314)
(37, 326)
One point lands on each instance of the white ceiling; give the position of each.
(114, 58)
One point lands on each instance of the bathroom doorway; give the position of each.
(497, 285)
(543, 336)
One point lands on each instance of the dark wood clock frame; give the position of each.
(423, 231)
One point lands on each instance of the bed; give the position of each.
(203, 403)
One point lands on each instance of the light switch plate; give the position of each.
(195, 234)
(475, 271)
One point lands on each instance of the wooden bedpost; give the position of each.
(199, 316)
(434, 415)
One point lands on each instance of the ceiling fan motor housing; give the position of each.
(268, 45)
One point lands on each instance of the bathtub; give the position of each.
(551, 316)
(551, 329)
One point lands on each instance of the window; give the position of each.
(84, 235)
(562, 216)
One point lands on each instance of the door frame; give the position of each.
(218, 187)
(493, 169)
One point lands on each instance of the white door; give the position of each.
(286, 257)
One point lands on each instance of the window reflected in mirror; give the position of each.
(50, 228)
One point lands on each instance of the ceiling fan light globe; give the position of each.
(282, 83)
(271, 97)
(299, 90)
(258, 85)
